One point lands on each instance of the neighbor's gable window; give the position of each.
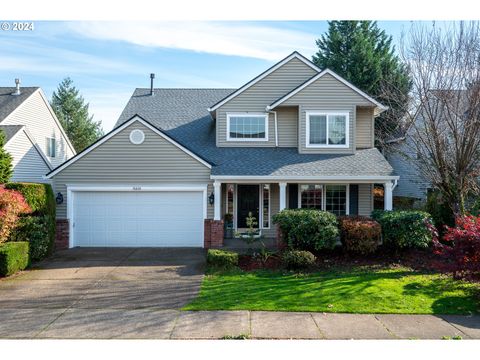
(51, 147)
(247, 127)
(327, 129)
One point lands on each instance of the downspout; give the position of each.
(395, 183)
(276, 126)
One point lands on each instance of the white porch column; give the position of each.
(388, 196)
(217, 193)
(283, 195)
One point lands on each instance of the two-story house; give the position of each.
(34, 136)
(179, 160)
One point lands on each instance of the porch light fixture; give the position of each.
(211, 198)
(59, 198)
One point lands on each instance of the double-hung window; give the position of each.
(247, 127)
(327, 129)
(51, 147)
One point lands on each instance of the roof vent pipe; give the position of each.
(152, 76)
(17, 90)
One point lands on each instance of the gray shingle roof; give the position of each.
(10, 130)
(9, 102)
(182, 114)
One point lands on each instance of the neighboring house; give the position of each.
(34, 136)
(402, 152)
(178, 160)
(403, 157)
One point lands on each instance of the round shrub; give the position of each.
(41, 200)
(298, 259)
(222, 258)
(359, 234)
(308, 229)
(405, 229)
(12, 205)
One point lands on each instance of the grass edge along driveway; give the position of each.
(395, 291)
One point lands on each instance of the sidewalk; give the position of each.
(174, 324)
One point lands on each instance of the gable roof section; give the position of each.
(318, 76)
(116, 131)
(10, 131)
(294, 55)
(9, 103)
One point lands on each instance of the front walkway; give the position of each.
(174, 324)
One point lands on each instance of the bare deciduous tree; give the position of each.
(444, 65)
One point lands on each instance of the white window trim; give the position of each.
(269, 204)
(324, 197)
(265, 116)
(49, 139)
(327, 114)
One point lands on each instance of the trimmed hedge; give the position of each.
(404, 229)
(298, 259)
(360, 234)
(13, 257)
(222, 258)
(41, 199)
(33, 229)
(307, 229)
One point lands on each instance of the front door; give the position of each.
(247, 201)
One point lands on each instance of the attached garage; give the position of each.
(135, 187)
(151, 218)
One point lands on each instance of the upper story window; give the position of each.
(327, 130)
(247, 127)
(51, 147)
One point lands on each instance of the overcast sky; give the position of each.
(108, 60)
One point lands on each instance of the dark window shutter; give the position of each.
(292, 196)
(353, 199)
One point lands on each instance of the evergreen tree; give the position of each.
(363, 54)
(71, 110)
(6, 168)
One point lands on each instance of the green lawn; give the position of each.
(354, 291)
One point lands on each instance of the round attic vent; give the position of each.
(137, 137)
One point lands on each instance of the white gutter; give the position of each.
(309, 177)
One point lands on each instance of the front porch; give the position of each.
(235, 198)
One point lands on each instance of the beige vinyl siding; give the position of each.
(287, 119)
(330, 95)
(365, 128)
(365, 199)
(257, 97)
(118, 161)
(36, 116)
(28, 164)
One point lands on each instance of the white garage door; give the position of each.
(138, 219)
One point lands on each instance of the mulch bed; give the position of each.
(250, 263)
(422, 260)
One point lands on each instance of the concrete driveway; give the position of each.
(100, 292)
